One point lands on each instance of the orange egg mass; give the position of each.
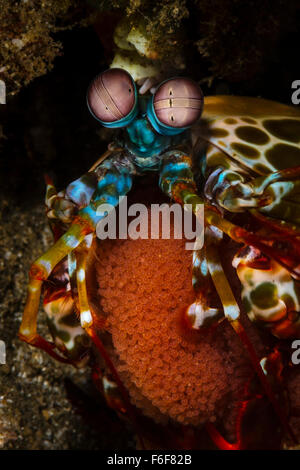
(171, 373)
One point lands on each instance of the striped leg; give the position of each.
(81, 253)
(176, 179)
(115, 180)
(234, 193)
(231, 191)
(59, 305)
(205, 311)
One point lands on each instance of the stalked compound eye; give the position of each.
(112, 98)
(177, 104)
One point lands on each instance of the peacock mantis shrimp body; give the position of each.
(241, 156)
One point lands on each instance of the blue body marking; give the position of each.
(146, 139)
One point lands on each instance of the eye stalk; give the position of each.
(176, 105)
(112, 98)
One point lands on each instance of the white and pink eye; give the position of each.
(111, 97)
(178, 102)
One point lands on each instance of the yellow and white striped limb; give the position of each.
(230, 305)
(81, 253)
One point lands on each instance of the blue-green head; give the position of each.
(152, 122)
